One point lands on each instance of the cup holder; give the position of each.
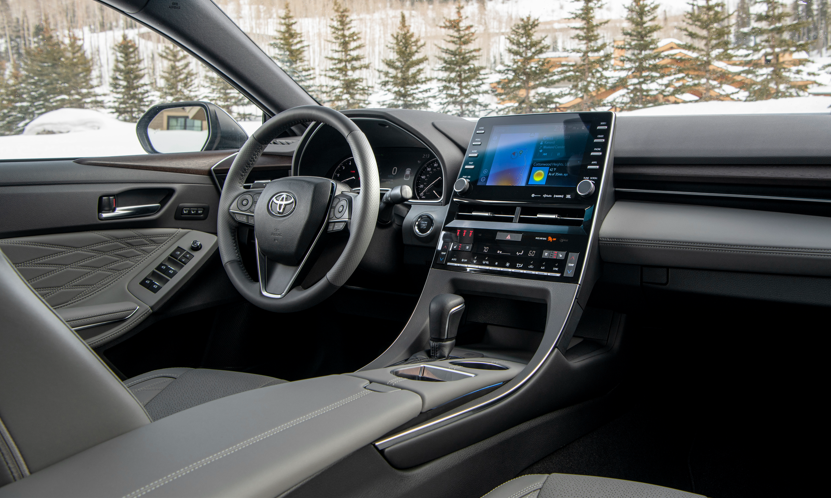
(479, 365)
(430, 373)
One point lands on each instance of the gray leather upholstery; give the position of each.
(715, 238)
(574, 486)
(57, 398)
(70, 267)
(168, 391)
(259, 443)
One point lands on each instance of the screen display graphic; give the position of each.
(549, 154)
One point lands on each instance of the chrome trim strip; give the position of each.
(423, 427)
(433, 367)
(82, 327)
(125, 212)
(713, 194)
(263, 276)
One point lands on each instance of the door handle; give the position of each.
(130, 212)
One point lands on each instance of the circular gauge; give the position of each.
(347, 173)
(429, 182)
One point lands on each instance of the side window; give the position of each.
(74, 83)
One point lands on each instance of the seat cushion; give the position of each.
(171, 390)
(573, 486)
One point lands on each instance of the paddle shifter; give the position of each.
(445, 314)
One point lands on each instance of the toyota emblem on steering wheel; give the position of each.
(282, 204)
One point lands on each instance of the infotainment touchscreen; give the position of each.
(549, 154)
(545, 154)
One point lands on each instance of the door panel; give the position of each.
(84, 265)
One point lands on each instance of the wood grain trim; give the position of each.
(189, 163)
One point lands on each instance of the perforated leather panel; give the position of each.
(572, 486)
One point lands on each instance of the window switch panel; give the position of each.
(166, 270)
(150, 285)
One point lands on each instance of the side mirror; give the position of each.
(188, 127)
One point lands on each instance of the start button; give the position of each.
(423, 225)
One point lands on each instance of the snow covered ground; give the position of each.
(71, 133)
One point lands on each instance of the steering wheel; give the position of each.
(295, 214)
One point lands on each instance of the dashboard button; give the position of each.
(571, 264)
(245, 202)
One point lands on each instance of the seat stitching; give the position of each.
(151, 387)
(139, 380)
(520, 477)
(239, 446)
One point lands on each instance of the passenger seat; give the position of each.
(574, 486)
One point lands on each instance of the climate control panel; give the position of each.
(539, 254)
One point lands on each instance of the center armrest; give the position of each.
(257, 443)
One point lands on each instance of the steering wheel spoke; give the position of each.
(340, 214)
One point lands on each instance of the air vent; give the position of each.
(486, 212)
(547, 215)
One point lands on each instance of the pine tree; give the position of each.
(707, 25)
(774, 69)
(178, 78)
(347, 89)
(461, 86)
(77, 73)
(404, 76)
(743, 21)
(587, 78)
(43, 71)
(13, 107)
(131, 95)
(227, 97)
(527, 71)
(291, 51)
(645, 80)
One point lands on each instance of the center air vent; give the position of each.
(486, 212)
(548, 215)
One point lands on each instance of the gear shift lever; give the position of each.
(445, 314)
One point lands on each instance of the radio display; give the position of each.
(537, 157)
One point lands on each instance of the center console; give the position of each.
(526, 197)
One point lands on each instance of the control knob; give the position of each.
(461, 186)
(585, 188)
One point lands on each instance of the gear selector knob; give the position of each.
(445, 314)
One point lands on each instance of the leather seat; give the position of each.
(58, 398)
(575, 486)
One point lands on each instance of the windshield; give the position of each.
(76, 75)
(485, 57)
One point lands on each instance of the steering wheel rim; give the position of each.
(361, 227)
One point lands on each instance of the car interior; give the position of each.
(377, 302)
